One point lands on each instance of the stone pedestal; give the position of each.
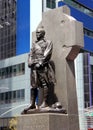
(47, 121)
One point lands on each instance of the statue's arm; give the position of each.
(48, 51)
(29, 60)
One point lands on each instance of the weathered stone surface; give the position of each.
(47, 121)
(66, 33)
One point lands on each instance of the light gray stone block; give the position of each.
(66, 33)
(47, 121)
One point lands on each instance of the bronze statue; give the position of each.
(41, 70)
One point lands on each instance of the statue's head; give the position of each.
(40, 33)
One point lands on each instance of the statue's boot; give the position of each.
(33, 98)
(44, 103)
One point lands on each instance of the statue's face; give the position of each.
(40, 34)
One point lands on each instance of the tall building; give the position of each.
(18, 19)
(83, 11)
(7, 29)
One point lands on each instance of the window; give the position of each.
(92, 83)
(51, 3)
(18, 94)
(88, 32)
(86, 88)
(86, 95)
(11, 71)
(86, 79)
(2, 98)
(12, 96)
(9, 96)
(22, 94)
(6, 97)
(87, 104)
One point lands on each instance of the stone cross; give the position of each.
(66, 33)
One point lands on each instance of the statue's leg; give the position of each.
(34, 88)
(45, 91)
(33, 98)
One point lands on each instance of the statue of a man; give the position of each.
(41, 70)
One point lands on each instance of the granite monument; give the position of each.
(66, 34)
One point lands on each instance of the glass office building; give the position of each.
(7, 29)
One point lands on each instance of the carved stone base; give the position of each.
(48, 121)
(45, 110)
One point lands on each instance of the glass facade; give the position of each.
(12, 96)
(86, 80)
(79, 6)
(7, 28)
(12, 71)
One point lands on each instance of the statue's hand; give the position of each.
(38, 65)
